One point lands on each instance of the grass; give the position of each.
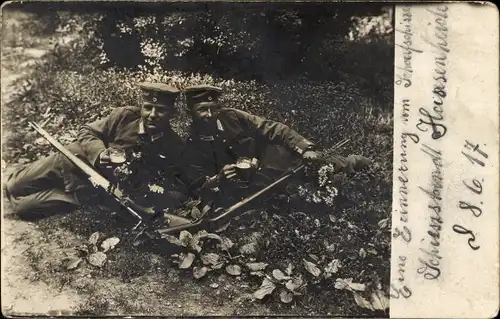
(76, 92)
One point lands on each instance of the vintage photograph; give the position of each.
(197, 158)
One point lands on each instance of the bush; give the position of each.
(350, 99)
(316, 109)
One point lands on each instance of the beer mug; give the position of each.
(117, 155)
(246, 167)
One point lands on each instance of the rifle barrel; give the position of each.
(87, 169)
(96, 177)
(257, 194)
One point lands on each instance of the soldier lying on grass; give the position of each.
(55, 185)
(227, 145)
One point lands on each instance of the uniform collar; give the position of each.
(142, 131)
(219, 126)
(203, 137)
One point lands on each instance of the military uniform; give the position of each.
(52, 183)
(237, 134)
(240, 134)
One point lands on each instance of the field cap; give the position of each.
(201, 93)
(158, 93)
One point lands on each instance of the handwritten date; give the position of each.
(476, 156)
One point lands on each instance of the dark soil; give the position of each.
(146, 279)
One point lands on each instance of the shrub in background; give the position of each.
(77, 82)
(85, 79)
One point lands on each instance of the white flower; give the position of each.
(324, 174)
(153, 49)
(188, 42)
(124, 28)
(143, 22)
(103, 58)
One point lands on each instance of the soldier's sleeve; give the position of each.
(94, 137)
(275, 132)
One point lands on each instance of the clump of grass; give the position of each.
(69, 91)
(93, 306)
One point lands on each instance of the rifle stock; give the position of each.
(102, 182)
(177, 223)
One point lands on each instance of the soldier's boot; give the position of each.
(43, 204)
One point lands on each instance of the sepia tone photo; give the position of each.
(197, 159)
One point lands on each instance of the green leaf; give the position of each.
(226, 243)
(199, 272)
(214, 285)
(97, 259)
(210, 259)
(382, 224)
(294, 284)
(233, 270)
(195, 213)
(332, 268)
(279, 275)
(312, 268)
(192, 203)
(333, 219)
(73, 263)
(256, 266)
(349, 285)
(267, 287)
(156, 189)
(379, 300)
(218, 265)
(257, 273)
(194, 243)
(249, 249)
(186, 260)
(362, 302)
(185, 237)
(93, 238)
(109, 244)
(286, 296)
(200, 234)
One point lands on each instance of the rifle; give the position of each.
(176, 223)
(100, 181)
(228, 212)
(231, 209)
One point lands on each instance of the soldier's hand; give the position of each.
(358, 162)
(311, 156)
(228, 172)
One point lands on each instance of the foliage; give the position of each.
(90, 251)
(266, 42)
(332, 86)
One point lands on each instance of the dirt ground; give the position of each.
(134, 281)
(34, 282)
